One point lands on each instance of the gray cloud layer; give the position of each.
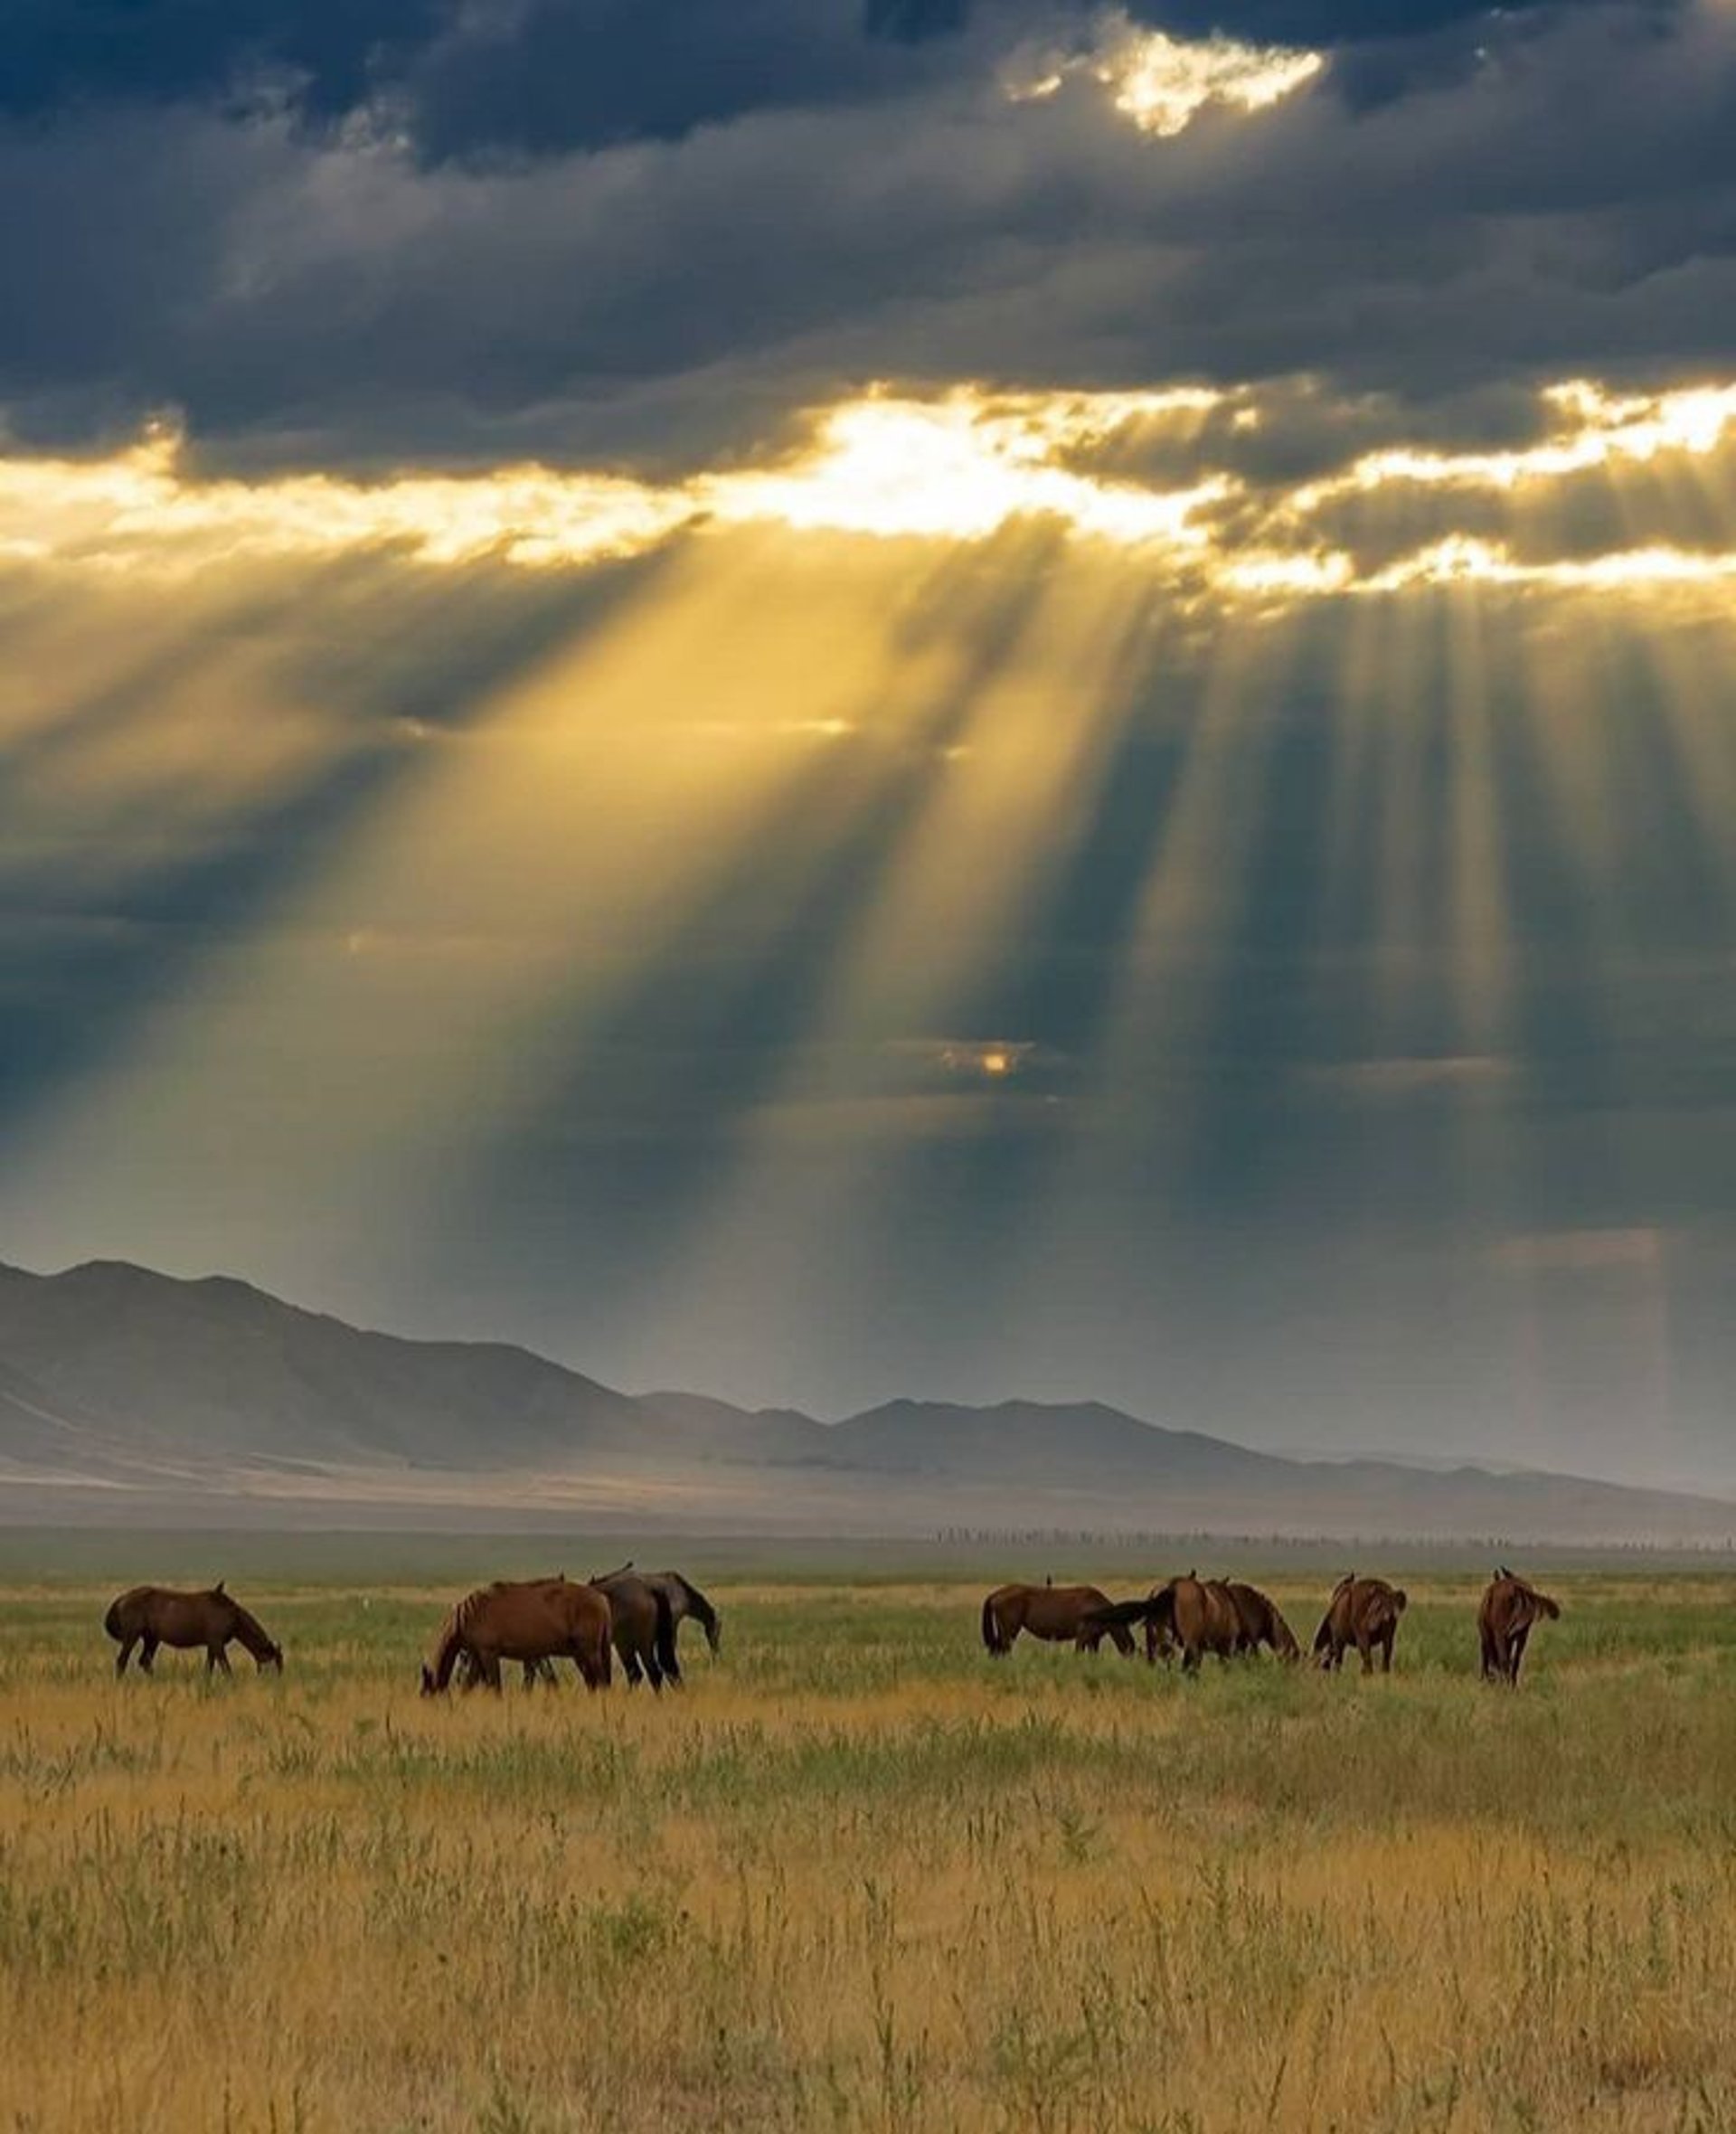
(371, 267)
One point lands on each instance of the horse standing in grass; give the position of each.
(1364, 1612)
(1060, 1615)
(150, 1616)
(1510, 1609)
(1196, 1614)
(686, 1602)
(1262, 1623)
(536, 1620)
(644, 1628)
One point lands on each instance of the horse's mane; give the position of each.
(250, 1629)
(444, 1653)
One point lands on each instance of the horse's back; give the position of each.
(1057, 1611)
(128, 1611)
(527, 1620)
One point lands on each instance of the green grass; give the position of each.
(858, 1875)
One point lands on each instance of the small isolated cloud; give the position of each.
(1157, 82)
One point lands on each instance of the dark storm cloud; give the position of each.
(71, 52)
(518, 76)
(854, 206)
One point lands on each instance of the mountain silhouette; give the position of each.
(120, 1387)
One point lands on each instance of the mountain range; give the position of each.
(125, 1393)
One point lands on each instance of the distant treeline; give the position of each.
(1121, 1537)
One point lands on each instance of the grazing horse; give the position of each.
(1364, 1612)
(534, 1619)
(643, 1626)
(1510, 1609)
(1197, 1614)
(1059, 1615)
(686, 1601)
(1262, 1623)
(150, 1616)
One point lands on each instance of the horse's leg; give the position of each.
(630, 1661)
(1387, 1635)
(124, 1654)
(148, 1653)
(217, 1655)
(1516, 1653)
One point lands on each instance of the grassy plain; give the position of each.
(858, 1876)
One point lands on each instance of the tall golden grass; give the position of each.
(858, 1876)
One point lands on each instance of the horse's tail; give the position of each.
(665, 1636)
(993, 1636)
(1400, 1601)
(111, 1622)
(700, 1608)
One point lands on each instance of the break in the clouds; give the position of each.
(1609, 494)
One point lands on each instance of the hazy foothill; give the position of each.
(129, 1395)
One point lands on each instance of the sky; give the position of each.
(825, 699)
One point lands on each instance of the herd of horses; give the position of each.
(633, 1615)
(1194, 1617)
(627, 1613)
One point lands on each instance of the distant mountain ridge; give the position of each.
(120, 1385)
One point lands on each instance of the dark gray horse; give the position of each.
(686, 1602)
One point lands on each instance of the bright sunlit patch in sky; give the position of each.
(1162, 83)
(1594, 429)
(144, 506)
(1148, 473)
(962, 467)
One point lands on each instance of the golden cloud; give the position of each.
(961, 465)
(1161, 83)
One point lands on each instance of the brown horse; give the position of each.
(1262, 1623)
(1195, 1614)
(1510, 1609)
(150, 1616)
(643, 1626)
(1059, 1615)
(534, 1619)
(1364, 1612)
